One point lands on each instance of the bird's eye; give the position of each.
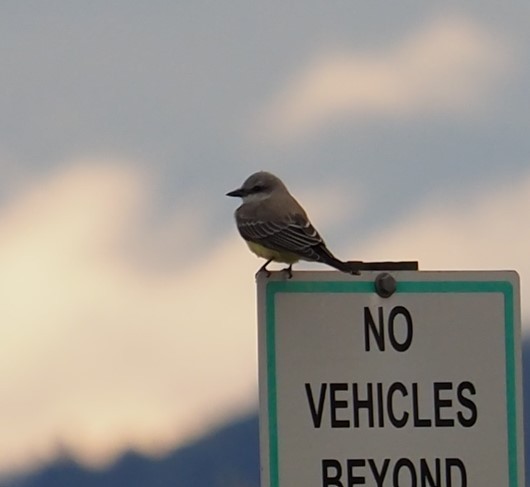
(257, 187)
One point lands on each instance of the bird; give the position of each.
(276, 227)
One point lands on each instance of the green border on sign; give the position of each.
(504, 287)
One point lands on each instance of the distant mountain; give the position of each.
(227, 457)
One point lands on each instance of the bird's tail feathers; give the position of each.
(350, 266)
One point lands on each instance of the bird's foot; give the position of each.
(288, 271)
(264, 269)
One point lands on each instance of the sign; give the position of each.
(421, 389)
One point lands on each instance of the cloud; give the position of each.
(450, 67)
(99, 352)
(329, 205)
(485, 229)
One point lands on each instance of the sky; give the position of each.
(128, 314)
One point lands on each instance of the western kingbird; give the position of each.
(276, 228)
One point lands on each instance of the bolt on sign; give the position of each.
(420, 389)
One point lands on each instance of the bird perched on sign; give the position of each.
(276, 228)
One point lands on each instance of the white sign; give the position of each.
(421, 389)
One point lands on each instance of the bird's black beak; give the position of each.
(237, 192)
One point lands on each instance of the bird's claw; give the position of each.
(264, 271)
(288, 271)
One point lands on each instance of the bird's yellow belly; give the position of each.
(275, 255)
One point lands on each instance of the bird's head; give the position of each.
(258, 186)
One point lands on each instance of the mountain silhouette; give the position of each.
(227, 457)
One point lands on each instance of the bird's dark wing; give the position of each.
(294, 234)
